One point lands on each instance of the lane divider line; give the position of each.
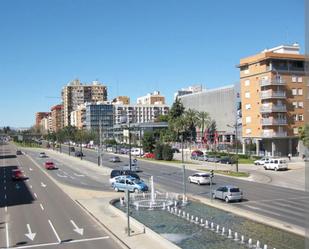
(41, 206)
(54, 230)
(35, 195)
(6, 209)
(5, 196)
(7, 235)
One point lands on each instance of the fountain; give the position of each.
(155, 201)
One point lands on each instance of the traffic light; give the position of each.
(211, 173)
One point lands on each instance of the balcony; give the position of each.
(272, 82)
(270, 94)
(271, 134)
(273, 108)
(273, 121)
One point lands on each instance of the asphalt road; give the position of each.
(283, 204)
(36, 213)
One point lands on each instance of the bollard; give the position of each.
(179, 213)
(236, 236)
(212, 226)
(223, 231)
(164, 206)
(206, 224)
(242, 239)
(196, 220)
(265, 246)
(183, 214)
(192, 218)
(230, 234)
(250, 243)
(258, 245)
(175, 204)
(217, 230)
(137, 206)
(202, 222)
(143, 195)
(188, 216)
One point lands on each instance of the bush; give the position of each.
(167, 152)
(158, 151)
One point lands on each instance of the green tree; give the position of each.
(158, 151)
(304, 135)
(162, 118)
(176, 110)
(204, 121)
(149, 141)
(167, 152)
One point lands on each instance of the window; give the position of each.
(247, 82)
(248, 106)
(294, 104)
(300, 117)
(295, 131)
(247, 95)
(294, 91)
(300, 91)
(294, 78)
(248, 119)
(248, 131)
(301, 104)
(295, 117)
(300, 79)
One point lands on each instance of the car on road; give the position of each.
(261, 161)
(49, 165)
(131, 184)
(115, 159)
(196, 153)
(42, 155)
(117, 178)
(228, 193)
(134, 167)
(149, 155)
(199, 178)
(276, 164)
(213, 159)
(79, 153)
(17, 174)
(117, 172)
(18, 152)
(227, 160)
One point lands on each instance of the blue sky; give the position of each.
(133, 46)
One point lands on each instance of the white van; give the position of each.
(137, 152)
(276, 164)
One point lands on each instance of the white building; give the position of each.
(151, 99)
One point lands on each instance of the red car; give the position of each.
(17, 174)
(50, 165)
(149, 155)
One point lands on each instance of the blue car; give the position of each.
(130, 183)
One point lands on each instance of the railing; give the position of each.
(273, 121)
(269, 82)
(273, 108)
(273, 94)
(270, 134)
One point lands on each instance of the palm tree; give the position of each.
(204, 120)
(191, 118)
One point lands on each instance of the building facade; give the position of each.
(188, 90)
(121, 100)
(222, 105)
(274, 93)
(39, 116)
(78, 117)
(56, 118)
(151, 99)
(100, 113)
(76, 93)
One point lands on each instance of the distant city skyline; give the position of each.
(133, 47)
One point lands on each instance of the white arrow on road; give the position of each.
(79, 175)
(30, 169)
(43, 185)
(61, 175)
(77, 229)
(30, 235)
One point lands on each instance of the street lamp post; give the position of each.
(183, 170)
(236, 142)
(123, 120)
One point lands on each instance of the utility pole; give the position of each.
(130, 162)
(100, 149)
(236, 136)
(183, 171)
(128, 210)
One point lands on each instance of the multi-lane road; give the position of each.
(36, 213)
(284, 204)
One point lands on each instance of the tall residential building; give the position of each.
(76, 93)
(151, 99)
(39, 116)
(78, 117)
(274, 93)
(122, 100)
(222, 104)
(57, 118)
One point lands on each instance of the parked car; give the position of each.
(137, 152)
(227, 160)
(49, 165)
(213, 159)
(17, 174)
(261, 161)
(228, 193)
(79, 154)
(131, 184)
(199, 178)
(124, 151)
(115, 159)
(18, 152)
(149, 155)
(196, 153)
(42, 155)
(276, 164)
(117, 172)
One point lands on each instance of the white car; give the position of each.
(137, 152)
(276, 164)
(199, 178)
(42, 155)
(261, 161)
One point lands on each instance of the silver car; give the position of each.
(228, 193)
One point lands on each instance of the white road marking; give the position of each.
(264, 210)
(6, 209)
(4, 187)
(5, 196)
(79, 175)
(41, 206)
(30, 169)
(54, 230)
(90, 239)
(35, 195)
(4, 181)
(43, 184)
(30, 235)
(76, 228)
(30, 186)
(7, 235)
(61, 175)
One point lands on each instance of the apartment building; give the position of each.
(78, 117)
(151, 99)
(56, 118)
(76, 93)
(274, 94)
(39, 116)
(121, 100)
(45, 125)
